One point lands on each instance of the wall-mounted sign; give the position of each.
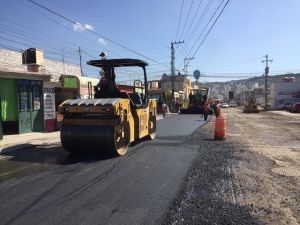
(289, 93)
(196, 74)
(49, 103)
(70, 82)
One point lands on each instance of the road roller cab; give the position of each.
(110, 120)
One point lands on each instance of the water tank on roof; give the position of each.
(292, 79)
(154, 84)
(33, 56)
(285, 79)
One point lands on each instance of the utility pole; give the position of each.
(185, 65)
(173, 72)
(266, 81)
(80, 61)
(63, 60)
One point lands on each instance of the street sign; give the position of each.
(197, 74)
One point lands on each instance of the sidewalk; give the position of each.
(22, 141)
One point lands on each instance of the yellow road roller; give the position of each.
(112, 118)
(251, 105)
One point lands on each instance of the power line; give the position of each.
(208, 24)
(193, 19)
(200, 20)
(179, 19)
(32, 37)
(9, 29)
(198, 24)
(37, 31)
(235, 63)
(211, 27)
(186, 19)
(92, 31)
(72, 30)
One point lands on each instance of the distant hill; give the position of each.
(221, 89)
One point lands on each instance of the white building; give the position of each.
(284, 92)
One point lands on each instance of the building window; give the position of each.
(36, 97)
(24, 97)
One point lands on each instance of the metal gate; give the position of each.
(31, 115)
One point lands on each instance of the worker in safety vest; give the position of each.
(205, 111)
(164, 109)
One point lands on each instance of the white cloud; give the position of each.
(80, 27)
(102, 41)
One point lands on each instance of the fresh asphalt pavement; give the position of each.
(61, 188)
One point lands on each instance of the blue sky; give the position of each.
(244, 33)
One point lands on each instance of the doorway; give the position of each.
(31, 115)
(9, 106)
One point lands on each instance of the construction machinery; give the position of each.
(198, 97)
(251, 105)
(112, 119)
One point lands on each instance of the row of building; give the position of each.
(32, 87)
(286, 91)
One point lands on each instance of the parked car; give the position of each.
(224, 105)
(263, 105)
(232, 104)
(285, 106)
(296, 107)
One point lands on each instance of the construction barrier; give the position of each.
(220, 128)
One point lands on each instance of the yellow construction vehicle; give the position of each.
(110, 121)
(198, 97)
(251, 105)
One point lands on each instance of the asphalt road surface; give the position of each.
(49, 186)
(181, 177)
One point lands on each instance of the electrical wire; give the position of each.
(211, 27)
(93, 31)
(198, 25)
(186, 19)
(179, 20)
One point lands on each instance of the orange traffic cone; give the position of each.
(220, 128)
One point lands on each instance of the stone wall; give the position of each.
(11, 61)
(56, 67)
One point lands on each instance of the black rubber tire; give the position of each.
(183, 111)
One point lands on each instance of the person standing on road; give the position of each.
(164, 109)
(218, 111)
(205, 111)
(215, 107)
(176, 106)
